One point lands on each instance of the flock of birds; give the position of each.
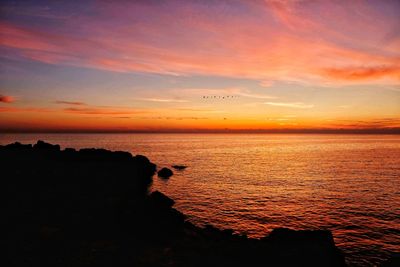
(220, 97)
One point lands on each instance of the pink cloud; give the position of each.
(24, 109)
(102, 111)
(6, 99)
(363, 73)
(74, 103)
(88, 110)
(273, 40)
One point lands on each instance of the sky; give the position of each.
(186, 65)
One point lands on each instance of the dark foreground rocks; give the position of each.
(393, 261)
(179, 167)
(92, 207)
(165, 173)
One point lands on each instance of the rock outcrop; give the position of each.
(93, 207)
(165, 173)
(179, 167)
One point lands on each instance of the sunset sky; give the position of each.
(153, 65)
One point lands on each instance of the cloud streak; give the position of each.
(174, 118)
(163, 100)
(102, 111)
(6, 99)
(363, 73)
(270, 40)
(377, 123)
(73, 103)
(24, 109)
(89, 110)
(290, 104)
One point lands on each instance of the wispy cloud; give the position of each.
(290, 104)
(257, 96)
(266, 83)
(363, 73)
(165, 100)
(73, 103)
(265, 40)
(367, 124)
(174, 118)
(123, 117)
(103, 111)
(25, 109)
(283, 118)
(6, 99)
(199, 110)
(86, 110)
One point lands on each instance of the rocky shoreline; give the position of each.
(93, 207)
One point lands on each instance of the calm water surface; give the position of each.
(253, 183)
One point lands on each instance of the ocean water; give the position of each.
(252, 183)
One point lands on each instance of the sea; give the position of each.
(253, 183)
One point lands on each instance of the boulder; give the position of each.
(69, 150)
(160, 199)
(18, 145)
(179, 167)
(165, 173)
(46, 146)
(393, 261)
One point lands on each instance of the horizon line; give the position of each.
(395, 130)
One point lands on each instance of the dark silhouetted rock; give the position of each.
(316, 244)
(17, 145)
(92, 207)
(142, 159)
(165, 173)
(393, 261)
(179, 167)
(46, 146)
(161, 199)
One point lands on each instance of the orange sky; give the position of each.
(200, 66)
